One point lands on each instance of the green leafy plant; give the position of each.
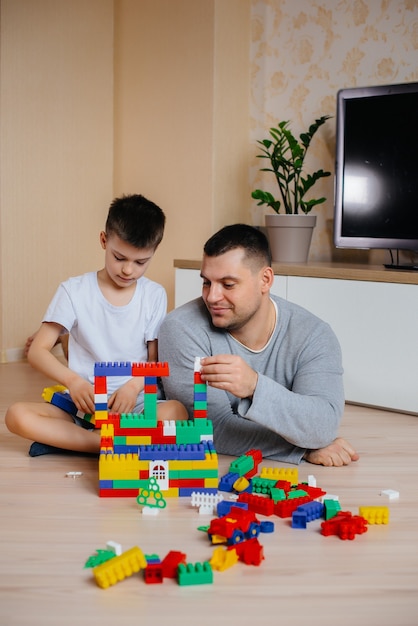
(287, 155)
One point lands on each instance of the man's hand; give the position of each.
(230, 373)
(338, 453)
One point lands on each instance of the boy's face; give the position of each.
(124, 263)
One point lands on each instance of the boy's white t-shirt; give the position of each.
(102, 332)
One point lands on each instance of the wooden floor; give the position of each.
(50, 524)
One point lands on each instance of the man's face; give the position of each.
(231, 290)
(124, 263)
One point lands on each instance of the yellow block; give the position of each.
(48, 392)
(280, 473)
(211, 462)
(375, 514)
(222, 559)
(131, 440)
(119, 567)
(211, 482)
(173, 492)
(119, 467)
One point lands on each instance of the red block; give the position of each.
(171, 562)
(150, 369)
(100, 384)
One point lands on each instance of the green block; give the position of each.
(263, 485)
(130, 484)
(331, 508)
(193, 431)
(296, 493)
(277, 494)
(200, 388)
(119, 440)
(242, 465)
(195, 574)
(201, 473)
(200, 405)
(150, 406)
(138, 420)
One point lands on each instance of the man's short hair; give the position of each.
(136, 220)
(250, 239)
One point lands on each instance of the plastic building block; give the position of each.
(206, 501)
(306, 513)
(242, 465)
(59, 396)
(285, 508)
(241, 484)
(391, 494)
(171, 562)
(115, 547)
(251, 552)
(225, 506)
(153, 573)
(119, 567)
(226, 482)
(223, 559)
(266, 527)
(235, 527)
(277, 494)
(257, 504)
(135, 448)
(263, 485)
(344, 525)
(151, 496)
(331, 508)
(280, 473)
(195, 574)
(101, 556)
(375, 514)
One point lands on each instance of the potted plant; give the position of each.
(286, 155)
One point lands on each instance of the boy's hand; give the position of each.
(82, 394)
(123, 400)
(231, 373)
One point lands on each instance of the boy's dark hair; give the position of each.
(136, 220)
(250, 239)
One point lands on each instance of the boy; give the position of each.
(111, 315)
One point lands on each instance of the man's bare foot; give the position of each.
(338, 453)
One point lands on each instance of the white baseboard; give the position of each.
(12, 355)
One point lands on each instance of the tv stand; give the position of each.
(401, 267)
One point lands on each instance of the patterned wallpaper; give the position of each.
(302, 52)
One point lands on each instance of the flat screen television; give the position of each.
(376, 170)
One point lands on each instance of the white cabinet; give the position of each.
(376, 323)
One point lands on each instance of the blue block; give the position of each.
(299, 519)
(226, 482)
(106, 484)
(101, 406)
(187, 492)
(113, 369)
(224, 506)
(199, 396)
(153, 452)
(313, 510)
(126, 449)
(191, 451)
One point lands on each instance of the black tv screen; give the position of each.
(376, 168)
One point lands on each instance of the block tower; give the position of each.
(136, 447)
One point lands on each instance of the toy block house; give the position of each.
(136, 447)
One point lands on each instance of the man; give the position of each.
(273, 369)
